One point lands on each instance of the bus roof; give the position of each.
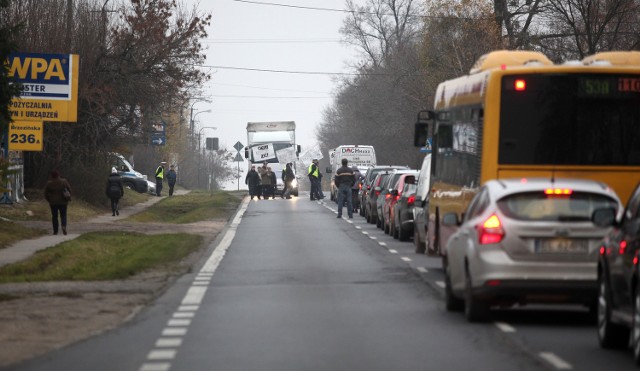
(271, 126)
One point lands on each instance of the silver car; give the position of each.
(526, 241)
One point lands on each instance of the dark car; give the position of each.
(371, 213)
(396, 188)
(618, 273)
(403, 213)
(384, 196)
(370, 176)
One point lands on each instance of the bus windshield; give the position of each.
(570, 119)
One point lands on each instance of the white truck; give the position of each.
(275, 143)
(358, 155)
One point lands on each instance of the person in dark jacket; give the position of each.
(274, 182)
(287, 177)
(172, 176)
(253, 181)
(344, 181)
(114, 190)
(54, 193)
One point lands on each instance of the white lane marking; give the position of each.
(156, 355)
(382, 243)
(206, 278)
(393, 251)
(174, 331)
(194, 295)
(358, 227)
(155, 366)
(505, 327)
(168, 342)
(179, 322)
(200, 284)
(555, 361)
(365, 232)
(422, 270)
(188, 308)
(349, 221)
(406, 259)
(373, 237)
(183, 315)
(440, 284)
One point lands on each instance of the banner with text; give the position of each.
(286, 155)
(263, 152)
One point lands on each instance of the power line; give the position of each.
(295, 72)
(264, 97)
(263, 88)
(270, 41)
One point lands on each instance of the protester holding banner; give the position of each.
(265, 179)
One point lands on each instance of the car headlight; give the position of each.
(294, 183)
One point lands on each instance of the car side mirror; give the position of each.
(604, 217)
(450, 220)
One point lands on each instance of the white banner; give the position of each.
(286, 155)
(263, 152)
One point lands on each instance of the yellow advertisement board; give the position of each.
(25, 136)
(49, 87)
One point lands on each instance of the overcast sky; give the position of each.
(269, 37)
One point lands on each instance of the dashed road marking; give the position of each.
(183, 315)
(383, 244)
(373, 237)
(555, 361)
(393, 251)
(164, 355)
(168, 342)
(365, 232)
(358, 227)
(505, 327)
(422, 270)
(440, 284)
(174, 331)
(404, 258)
(179, 322)
(156, 366)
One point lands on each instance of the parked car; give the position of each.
(395, 191)
(421, 237)
(130, 178)
(618, 273)
(367, 184)
(526, 241)
(403, 213)
(385, 193)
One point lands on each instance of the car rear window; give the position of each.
(577, 206)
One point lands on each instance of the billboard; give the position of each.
(49, 87)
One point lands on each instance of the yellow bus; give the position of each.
(517, 114)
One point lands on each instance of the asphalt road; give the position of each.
(290, 287)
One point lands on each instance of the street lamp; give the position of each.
(191, 114)
(200, 132)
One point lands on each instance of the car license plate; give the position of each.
(562, 246)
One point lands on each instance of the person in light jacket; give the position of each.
(54, 194)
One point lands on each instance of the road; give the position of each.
(289, 286)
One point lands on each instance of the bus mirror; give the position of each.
(445, 136)
(420, 134)
(425, 115)
(246, 153)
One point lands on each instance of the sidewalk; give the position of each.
(25, 248)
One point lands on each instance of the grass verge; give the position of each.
(100, 256)
(11, 233)
(193, 207)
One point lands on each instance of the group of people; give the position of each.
(262, 182)
(57, 192)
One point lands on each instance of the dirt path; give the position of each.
(36, 318)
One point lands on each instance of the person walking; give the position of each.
(344, 179)
(172, 176)
(314, 179)
(57, 192)
(114, 190)
(160, 177)
(288, 177)
(355, 190)
(253, 181)
(274, 182)
(265, 179)
(284, 181)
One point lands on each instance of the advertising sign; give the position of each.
(25, 136)
(263, 152)
(49, 87)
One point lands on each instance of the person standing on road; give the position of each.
(160, 177)
(114, 190)
(356, 188)
(253, 181)
(264, 188)
(344, 181)
(54, 193)
(284, 181)
(274, 182)
(172, 176)
(288, 178)
(319, 187)
(314, 179)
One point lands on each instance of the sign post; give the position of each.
(238, 146)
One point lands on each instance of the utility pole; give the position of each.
(69, 23)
